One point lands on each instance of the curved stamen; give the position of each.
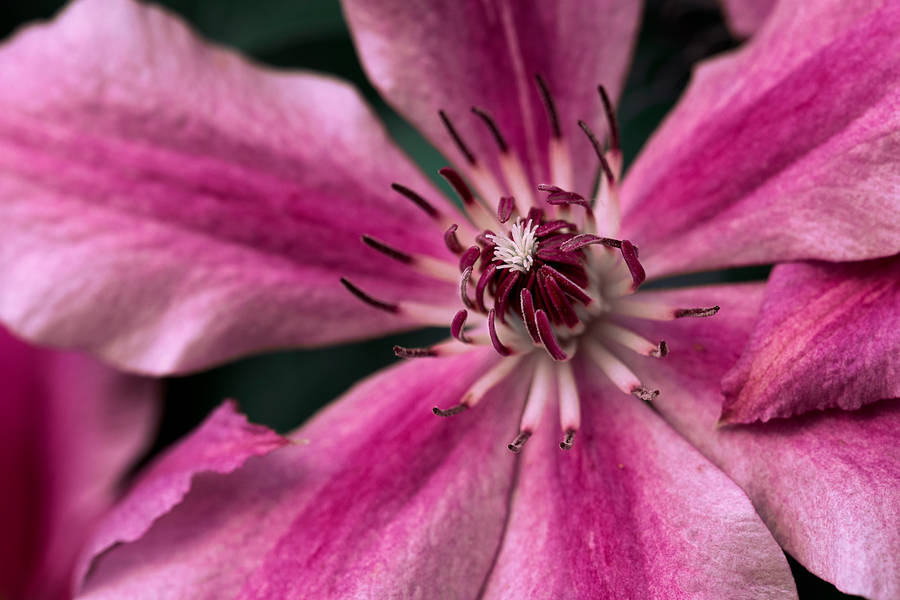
(495, 339)
(545, 331)
(527, 307)
(464, 287)
(418, 200)
(559, 196)
(492, 125)
(467, 260)
(470, 158)
(549, 105)
(610, 118)
(459, 185)
(505, 208)
(585, 239)
(598, 150)
(552, 227)
(482, 285)
(559, 300)
(629, 254)
(456, 326)
(569, 286)
(452, 241)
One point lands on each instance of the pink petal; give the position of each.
(425, 57)
(69, 430)
(745, 17)
(632, 510)
(168, 205)
(826, 484)
(378, 498)
(828, 336)
(785, 150)
(223, 443)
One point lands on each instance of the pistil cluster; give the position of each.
(537, 280)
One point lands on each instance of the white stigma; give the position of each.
(516, 253)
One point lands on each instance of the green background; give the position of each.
(283, 389)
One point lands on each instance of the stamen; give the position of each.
(549, 106)
(584, 239)
(495, 339)
(618, 373)
(569, 286)
(418, 200)
(403, 352)
(505, 208)
(453, 410)
(569, 403)
(559, 300)
(517, 444)
(478, 389)
(482, 284)
(464, 287)
(545, 331)
(452, 241)
(633, 341)
(456, 326)
(385, 306)
(502, 299)
(610, 117)
(598, 149)
(387, 250)
(527, 304)
(424, 264)
(696, 312)
(552, 227)
(560, 196)
(459, 185)
(629, 254)
(467, 260)
(470, 158)
(492, 125)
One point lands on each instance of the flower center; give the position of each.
(547, 286)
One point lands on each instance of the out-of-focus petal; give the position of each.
(826, 484)
(745, 17)
(69, 430)
(631, 511)
(788, 149)
(828, 336)
(167, 205)
(379, 498)
(223, 443)
(425, 56)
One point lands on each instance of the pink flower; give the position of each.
(69, 430)
(169, 206)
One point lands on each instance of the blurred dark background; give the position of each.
(284, 389)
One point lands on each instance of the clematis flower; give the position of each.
(69, 430)
(182, 206)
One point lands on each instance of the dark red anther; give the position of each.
(527, 306)
(452, 241)
(492, 125)
(552, 227)
(568, 286)
(554, 254)
(459, 184)
(495, 339)
(695, 312)
(517, 444)
(484, 241)
(469, 257)
(535, 214)
(560, 196)
(505, 208)
(456, 326)
(549, 105)
(547, 337)
(385, 306)
(502, 299)
(629, 253)
(560, 302)
(585, 239)
(610, 117)
(456, 138)
(453, 410)
(464, 287)
(387, 250)
(418, 200)
(482, 284)
(598, 150)
(661, 350)
(403, 352)
(566, 444)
